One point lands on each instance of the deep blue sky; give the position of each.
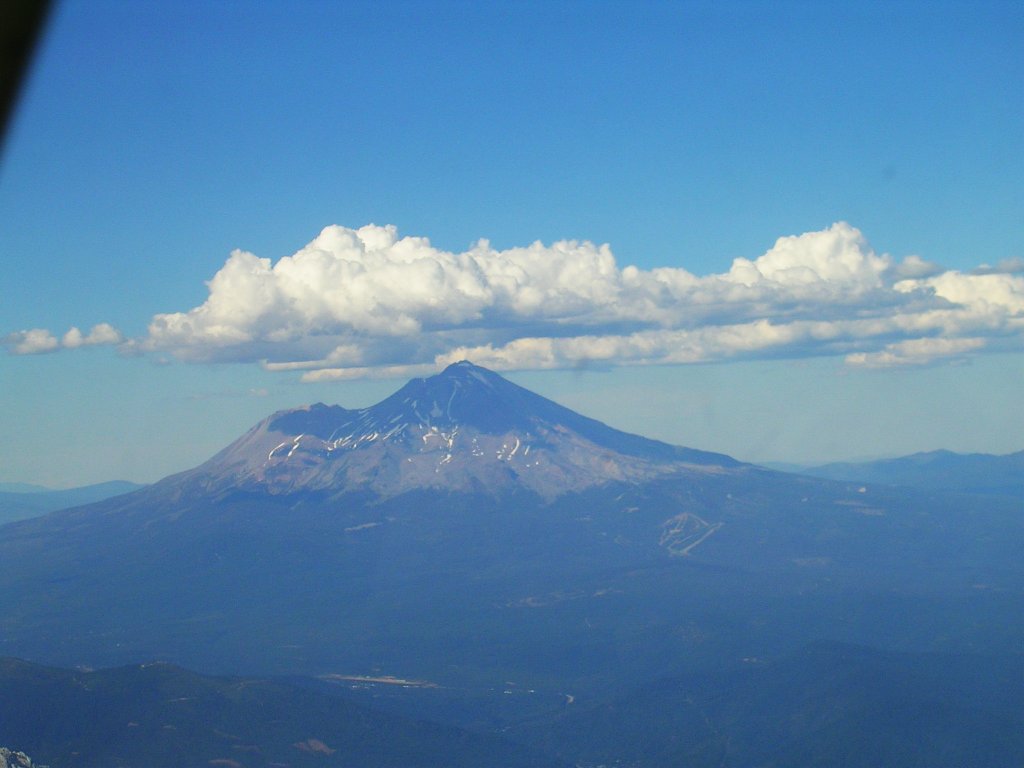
(154, 138)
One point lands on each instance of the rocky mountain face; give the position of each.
(465, 429)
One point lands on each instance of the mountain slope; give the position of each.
(18, 505)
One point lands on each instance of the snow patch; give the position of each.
(448, 407)
(361, 527)
(295, 444)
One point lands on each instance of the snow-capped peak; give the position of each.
(465, 427)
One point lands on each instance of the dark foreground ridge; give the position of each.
(162, 716)
(808, 708)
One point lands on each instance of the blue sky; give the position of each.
(885, 142)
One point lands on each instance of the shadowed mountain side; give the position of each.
(158, 715)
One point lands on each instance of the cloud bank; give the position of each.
(38, 341)
(366, 302)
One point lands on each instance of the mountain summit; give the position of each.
(464, 429)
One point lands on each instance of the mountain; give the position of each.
(517, 559)
(382, 511)
(967, 473)
(32, 501)
(466, 429)
(157, 715)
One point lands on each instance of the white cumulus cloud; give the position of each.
(914, 352)
(39, 340)
(104, 333)
(1010, 266)
(36, 341)
(353, 298)
(366, 302)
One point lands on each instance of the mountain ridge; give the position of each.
(984, 473)
(19, 505)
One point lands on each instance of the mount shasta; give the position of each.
(465, 430)
(474, 553)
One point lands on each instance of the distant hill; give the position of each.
(19, 501)
(945, 470)
(162, 716)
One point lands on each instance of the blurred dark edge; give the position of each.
(21, 24)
